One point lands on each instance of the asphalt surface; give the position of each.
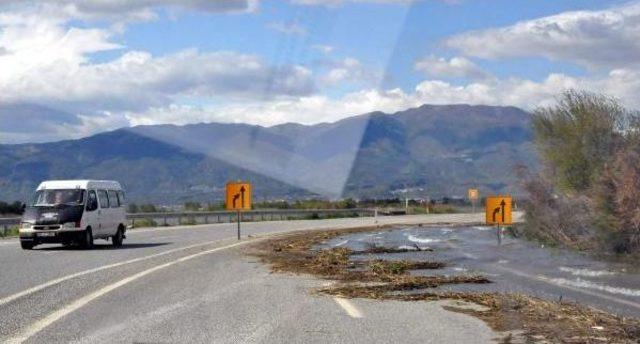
(195, 285)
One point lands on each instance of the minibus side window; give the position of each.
(104, 199)
(92, 201)
(113, 199)
(121, 198)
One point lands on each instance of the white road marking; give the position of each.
(79, 303)
(53, 282)
(348, 307)
(50, 283)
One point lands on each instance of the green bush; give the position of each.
(138, 223)
(9, 232)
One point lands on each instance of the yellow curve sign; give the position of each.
(238, 196)
(498, 210)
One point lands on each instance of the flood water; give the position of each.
(514, 265)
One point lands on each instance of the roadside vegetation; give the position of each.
(519, 318)
(415, 206)
(8, 232)
(15, 208)
(587, 193)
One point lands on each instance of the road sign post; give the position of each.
(474, 195)
(239, 224)
(238, 198)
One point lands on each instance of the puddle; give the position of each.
(580, 283)
(422, 240)
(586, 272)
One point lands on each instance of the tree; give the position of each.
(148, 208)
(192, 206)
(589, 192)
(133, 208)
(577, 136)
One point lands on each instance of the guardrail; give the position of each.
(190, 218)
(205, 217)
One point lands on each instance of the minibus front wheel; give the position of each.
(87, 239)
(27, 245)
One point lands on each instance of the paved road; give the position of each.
(194, 284)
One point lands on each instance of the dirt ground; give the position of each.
(521, 318)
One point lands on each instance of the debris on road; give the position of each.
(534, 319)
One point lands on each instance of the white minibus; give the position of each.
(74, 212)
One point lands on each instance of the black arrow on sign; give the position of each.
(242, 190)
(502, 204)
(235, 198)
(495, 212)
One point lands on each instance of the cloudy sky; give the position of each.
(72, 68)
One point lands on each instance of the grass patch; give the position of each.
(189, 221)
(9, 232)
(537, 319)
(139, 223)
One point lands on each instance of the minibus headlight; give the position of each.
(25, 225)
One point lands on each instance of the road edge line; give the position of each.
(59, 280)
(43, 323)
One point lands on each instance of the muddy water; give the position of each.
(514, 265)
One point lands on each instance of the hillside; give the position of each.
(441, 149)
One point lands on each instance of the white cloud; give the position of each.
(607, 38)
(293, 28)
(523, 93)
(456, 67)
(47, 62)
(125, 10)
(307, 110)
(138, 80)
(348, 70)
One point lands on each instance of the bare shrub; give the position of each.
(619, 201)
(558, 219)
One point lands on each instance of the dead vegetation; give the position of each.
(399, 267)
(536, 320)
(379, 249)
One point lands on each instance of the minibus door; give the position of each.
(92, 212)
(103, 214)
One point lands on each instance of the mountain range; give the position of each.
(431, 150)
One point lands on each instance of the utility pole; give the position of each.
(406, 204)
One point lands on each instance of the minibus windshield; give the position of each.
(55, 197)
